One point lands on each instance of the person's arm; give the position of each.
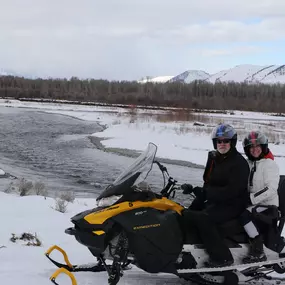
(209, 166)
(271, 181)
(238, 181)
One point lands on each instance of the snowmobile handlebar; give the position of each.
(170, 187)
(161, 167)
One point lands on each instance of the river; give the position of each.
(56, 150)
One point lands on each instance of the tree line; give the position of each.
(197, 95)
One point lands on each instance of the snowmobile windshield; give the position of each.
(133, 175)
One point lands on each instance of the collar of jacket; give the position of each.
(269, 155)
(221, 157)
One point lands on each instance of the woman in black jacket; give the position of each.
(223, 197)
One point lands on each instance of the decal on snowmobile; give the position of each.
(146, 226)
(162, 204)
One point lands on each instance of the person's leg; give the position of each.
(218, 251)
(256, 252)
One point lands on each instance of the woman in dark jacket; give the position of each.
(223, 196)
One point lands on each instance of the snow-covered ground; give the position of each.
(22, 264)
(176, 139)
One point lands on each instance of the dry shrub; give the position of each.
(68, 196)
(39, 188)
(27, 239)
(60, 205)
(25, 187)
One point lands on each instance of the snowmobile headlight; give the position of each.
(105, 202)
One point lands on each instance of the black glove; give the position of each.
(187, 188)
(199, 192)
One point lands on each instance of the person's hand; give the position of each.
(187, 188)
(198, 189)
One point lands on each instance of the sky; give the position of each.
(128, 40)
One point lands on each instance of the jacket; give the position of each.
(225, 192)
(226, 183)
(263, 181)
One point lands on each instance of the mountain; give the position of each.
(190, 75)
(158, 79)
(251, 74)
(269, 74)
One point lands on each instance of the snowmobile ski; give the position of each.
(91, 267)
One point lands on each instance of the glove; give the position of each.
(197, 190)
(187, 188)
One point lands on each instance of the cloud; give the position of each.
(230, 51)
(128, 39)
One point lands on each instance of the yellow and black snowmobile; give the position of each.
(132, 224)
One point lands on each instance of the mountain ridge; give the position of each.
(248, 73)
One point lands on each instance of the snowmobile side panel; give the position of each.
(92, 240)
(163, 204)
(154, 237)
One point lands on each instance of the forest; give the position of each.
(195, 95)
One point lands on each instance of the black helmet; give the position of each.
(255, 138)
(224, 131)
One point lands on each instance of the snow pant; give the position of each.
(247, 220)
(209, 234)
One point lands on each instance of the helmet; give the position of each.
(224, 131)
(255, 138)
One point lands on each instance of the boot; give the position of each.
(215, 263)
(187, 261)
(256, 252)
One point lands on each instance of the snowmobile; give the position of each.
(134, 225)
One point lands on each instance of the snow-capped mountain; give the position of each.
(158, 79)
(187, 77)
(268, 74)
(251, 74)
(190, 76)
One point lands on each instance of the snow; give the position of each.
(262, 73)
(158, 79)
(177, 139)
(190, 76)
(277, 76)
(238, 74)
